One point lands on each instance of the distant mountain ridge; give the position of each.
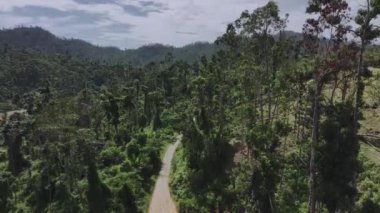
(42, 40)
(37, 38)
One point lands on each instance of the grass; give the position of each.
(5, 106)
(371, 153)
(370, 124)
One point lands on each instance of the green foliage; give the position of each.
(111, 156)
(111, 108)
(372, 85)
(95, 132)
(42, 40)
(98, 194)
(263, 144)
(368, 186)
(127, 199)
(292, 191)
(5, 187)
(338, 165)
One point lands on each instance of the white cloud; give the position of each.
(8, 21)
(204, 20)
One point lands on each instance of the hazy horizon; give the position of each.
(134, 23)
(107, 46)
(129, 24)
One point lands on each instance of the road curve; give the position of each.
(10, 113)
(161, 200)
(4, 117)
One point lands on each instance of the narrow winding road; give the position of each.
(10, 113)
(4, 117)
(161, 200)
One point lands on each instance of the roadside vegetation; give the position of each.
(272, 120)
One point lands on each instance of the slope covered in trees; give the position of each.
(270, 122)
(39, 39)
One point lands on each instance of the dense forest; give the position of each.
(38, 39)
(268, 120)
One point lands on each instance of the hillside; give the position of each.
(22, 71)
(44, 41)
(271, 122)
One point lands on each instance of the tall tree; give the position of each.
(13, 133)
(366, 32)
(111, 108)
(332, 19)
(98, 194)
(339, 165)
(256, 48)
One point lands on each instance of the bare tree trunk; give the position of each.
(265, 204)
(314, 142)
(298, 114)
(334, 89)
(344, 89)
(298, 123)
(261, 106)
(275, 109)
(359, 89)
(266, 73)
(270, 104)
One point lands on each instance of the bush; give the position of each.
(111, 156)
(368, 186)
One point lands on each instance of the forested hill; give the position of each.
(44, 41)
(274, 122)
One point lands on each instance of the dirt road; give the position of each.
(161, 200)
(10, 113)
(4, 117)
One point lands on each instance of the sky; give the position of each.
(133, 23)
